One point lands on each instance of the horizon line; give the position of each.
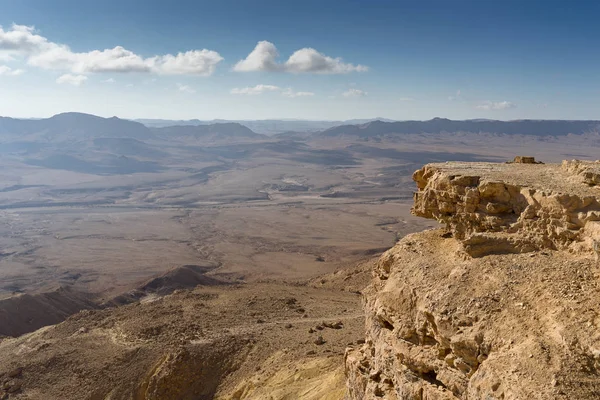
(381, 119)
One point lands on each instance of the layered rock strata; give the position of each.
(518, 320)
(512, 208)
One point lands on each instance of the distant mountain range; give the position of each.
(78, 126)
(89, 144)
(380, 126)
(212, 131)
(442, 125)
(265, 127)
(72, 127)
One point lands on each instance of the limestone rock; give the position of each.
(511, 208)
(524, 160)
(504, 307)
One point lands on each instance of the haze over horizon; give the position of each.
(308, 61)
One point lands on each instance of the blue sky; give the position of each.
(336, 59)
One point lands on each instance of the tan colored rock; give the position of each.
(515, 320)
(524, 160)
(500, 326)
(519, 207)
(590, 171)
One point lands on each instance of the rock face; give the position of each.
(512, 208)
(502, 303)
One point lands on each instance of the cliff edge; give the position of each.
(500, 303)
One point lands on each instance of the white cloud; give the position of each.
(258, 89)
(194, 62)
(75, 80)
(42, 53)
(354, 93)
(129, 85)
(290, 93)
(117, 59)
(21, 38)
(6, 70)
(262, 58)
(407, 99)
(309, 60)
(185, 88)
(109, 80)
(495, 105)
(306, 60)
(455, 97)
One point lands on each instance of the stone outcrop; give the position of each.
(512, 208)
(525, 160)
(502, 303)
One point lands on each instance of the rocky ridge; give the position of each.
(512, 208)
(501, 303)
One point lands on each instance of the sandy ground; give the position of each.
(255, 339)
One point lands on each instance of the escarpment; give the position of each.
(512, 208)
(501, 303)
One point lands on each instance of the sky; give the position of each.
(321, 60)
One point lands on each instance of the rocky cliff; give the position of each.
(500, 303)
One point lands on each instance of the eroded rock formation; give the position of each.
(502, 303)
(512, 208)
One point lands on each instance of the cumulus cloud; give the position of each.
(290, 93)
(354, 93)
(495, 105)
(306, 60)
(309, 60)
(75, 80)
(6, 70)
(117, 59)
(258, 89)
(42, 53)
(21, 38)
(262, 58)
(185, 88)
(194, 62)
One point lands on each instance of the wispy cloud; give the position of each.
(260, 89)
(457, 96)
(255, 90)
(354, 93)
(6, 70)
(69, 79)
(290, 93)
(495, 105)
(109, 80)
(407, 99)
(21, 40)
(306, 60)
(185, 88)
